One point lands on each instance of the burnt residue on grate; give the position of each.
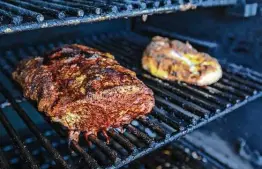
(180, 108)
(21, 15)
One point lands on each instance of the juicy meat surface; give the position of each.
(84, 89)
(174, 60)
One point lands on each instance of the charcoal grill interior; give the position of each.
(180, 108)
(21, 15)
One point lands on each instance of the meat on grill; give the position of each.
(174, 60)
(84, 89)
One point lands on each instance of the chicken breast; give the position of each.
(84, 89)
(176, 61)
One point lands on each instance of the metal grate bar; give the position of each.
(239, 68)
(171, 122)
(3, 162)
(122, 5)
(214, 98)
(152, 125)
(238, 79)
(69, 10)
(45, 10)
(238, 86)
(90, 161)
(9, 17)
(188, 96)
(137, 4)
(228, 96)
(21, 11)
(167, 2)
(111, 153)
(31, 50)
(249, 75)
(122, 140)
(139, 134)
(182, 102)
(97, 4)
(10, 59)
(87, 8)
(152, 3)
(96, 43)
(182, 118)
(174, 106)
(25, 154)
(38, 14)
(203, 94)
(45, 142)
(230, 89)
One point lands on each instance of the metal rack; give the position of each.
(181, 153)
(180, 108)
(21, 15)
(177, 155)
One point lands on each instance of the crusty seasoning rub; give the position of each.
(84, 89)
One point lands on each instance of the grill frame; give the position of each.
(123, 54)
(59, 10)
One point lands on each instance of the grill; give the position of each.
(180, 108)
(20, 15)
(180, 154)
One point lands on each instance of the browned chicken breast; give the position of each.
(84, 89)
(174, 60)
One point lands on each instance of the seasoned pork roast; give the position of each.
(84, 89)
(174, 60)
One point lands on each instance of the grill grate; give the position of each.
(3, 162)
(20, 15)
(180, 154)
(17, 141)
(180, 108)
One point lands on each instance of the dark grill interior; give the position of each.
(180, 108)
(178, 155)
(20, 15)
